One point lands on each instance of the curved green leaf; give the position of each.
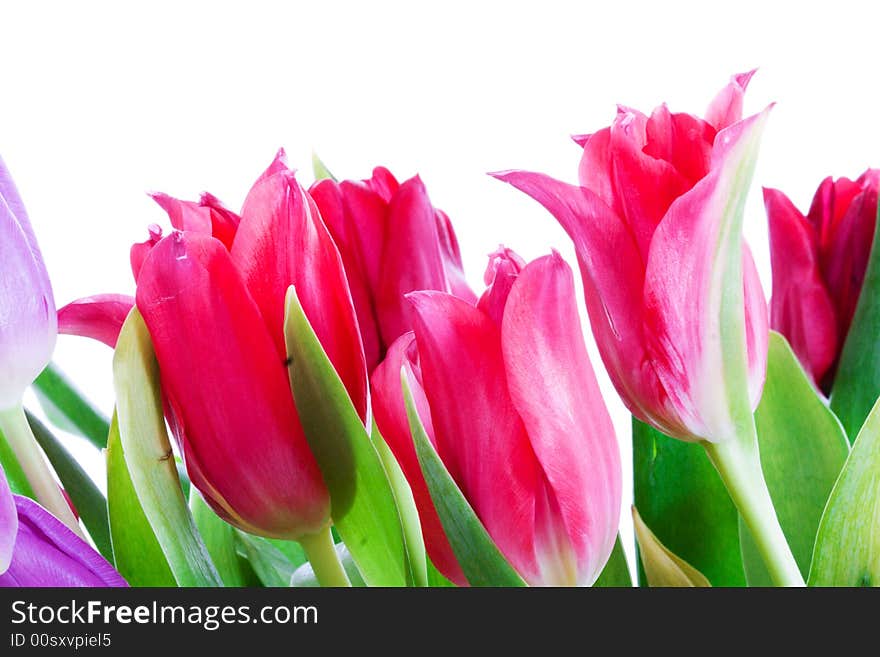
(18, 482)
(67, 408)
(273, 567)
(681, 497)
(88, 501)
(363, 506)
(219, 538)
(136, 551)
(616, 571)
(847, 551)
(149, 459)
(320, 169)
(803, 448)
(480, 559)
(857, 380)
(663, 567)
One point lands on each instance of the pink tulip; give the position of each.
(509, 399)
(674, 299)
(212, 296)
(819, 263)
(392, 241)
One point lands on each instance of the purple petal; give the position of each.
(8, 523)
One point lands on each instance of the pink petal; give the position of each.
(683, 140)
(383, 183)
(451, 255)
(613, 275)
(141, 250)
(8, 523)
(282, 241)
(726, 108)
(501, 273)
(553, 388)
(595, 170)
(99, 317)
(800, 307)
(390, 414)
(227, 385)
(479, 434)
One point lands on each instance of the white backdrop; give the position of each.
(100, 102)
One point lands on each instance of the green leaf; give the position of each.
(273, 565)
(149, 459)
(137, 554)
(67, 408)
(88, 501)
(663, 567)
(220, 541)
(320, 169)
(304, 576)
(480, 560)
(363, 506)
(803, 448)
(406, 505)
(857, 380)
(847, 551)
(18, 482)
(681, 497)
(616, 571)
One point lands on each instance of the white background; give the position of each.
(100, 102)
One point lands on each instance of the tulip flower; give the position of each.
(819, 262)
(674, 299)
(28, 330)
(509, 399)
(37, 549)
(392, 241)
(212, 296)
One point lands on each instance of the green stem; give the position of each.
(325, 562)
(739, 464)
(21, 439)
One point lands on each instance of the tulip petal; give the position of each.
(800, 307)
(383, 183)
(451, 254)
(726, 108)
(141, 250)
(238, 422)
(99, 317)
(553, 388)
(8, 522)
(390, 414)
(701, 356)
(47, 553)
(282, 241)
(683, 140)
(501, 273)
(479, 434)
(612, 272)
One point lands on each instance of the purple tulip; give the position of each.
(37, 549)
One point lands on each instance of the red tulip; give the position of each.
(509, 399)
(819, 263)
(212, 296)
(673, 296)
(392, 241)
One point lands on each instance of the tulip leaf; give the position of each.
(363, 505)
(663, 567)
(857, 380)
(304, 576)
(406, 504)
(220, 541)
(616, 571)
(320, 169)
(681, 497)
(136, 551)
(273, 567)
(149, 459)
(480, 559)
(803, 448)
(88, 501)
(847, 551)
(18, 482)
(68, 409)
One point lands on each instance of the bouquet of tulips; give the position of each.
(310, 392)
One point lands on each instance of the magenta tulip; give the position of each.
(37, 549)
(819, 262)
(392, 241)
(509, 399)
(655, 225)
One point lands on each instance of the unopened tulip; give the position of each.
(392, 241)
(37, 549)
(819, 262)
(509, 399)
